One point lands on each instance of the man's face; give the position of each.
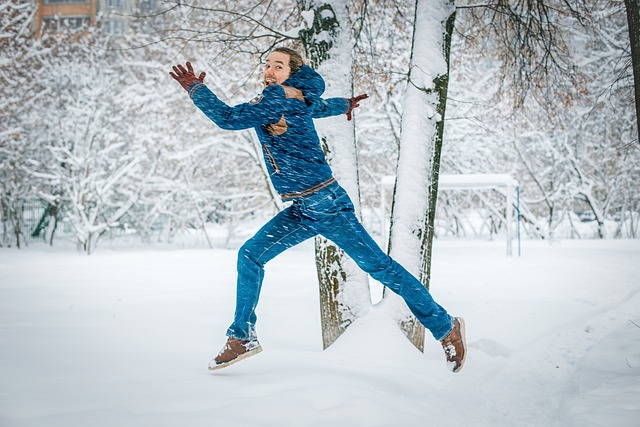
(276, 69)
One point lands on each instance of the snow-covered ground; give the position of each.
(123, 337)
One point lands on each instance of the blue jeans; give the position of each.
(328, 212)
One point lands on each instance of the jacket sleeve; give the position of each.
(268, 108)
(329, 107)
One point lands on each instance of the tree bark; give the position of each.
(633, 16)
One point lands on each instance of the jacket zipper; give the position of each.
(271, 159)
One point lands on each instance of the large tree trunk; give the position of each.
(416, 188)
(633, 16)
(344, 291)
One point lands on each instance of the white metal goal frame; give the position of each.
(466, 182)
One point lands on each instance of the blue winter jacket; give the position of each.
(291, 149)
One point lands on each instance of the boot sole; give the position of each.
(243, 356)
(464, 341)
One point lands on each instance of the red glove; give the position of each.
(354, 103)
(186, 77)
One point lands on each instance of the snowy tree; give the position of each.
(558, 150)
(570, 141)
(421, 141)
(344, 292)
(528, 40)
(600, 131)
(19, 55)
(93, 165)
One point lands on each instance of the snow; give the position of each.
(308, 16)
(123, 337)
(475, 181)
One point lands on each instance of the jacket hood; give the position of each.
(309, 82)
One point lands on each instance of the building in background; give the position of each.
(113, 16)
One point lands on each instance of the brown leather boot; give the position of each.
(234, 351)
(455, 345)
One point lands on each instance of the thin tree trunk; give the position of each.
(17, 229)
(633, 16)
